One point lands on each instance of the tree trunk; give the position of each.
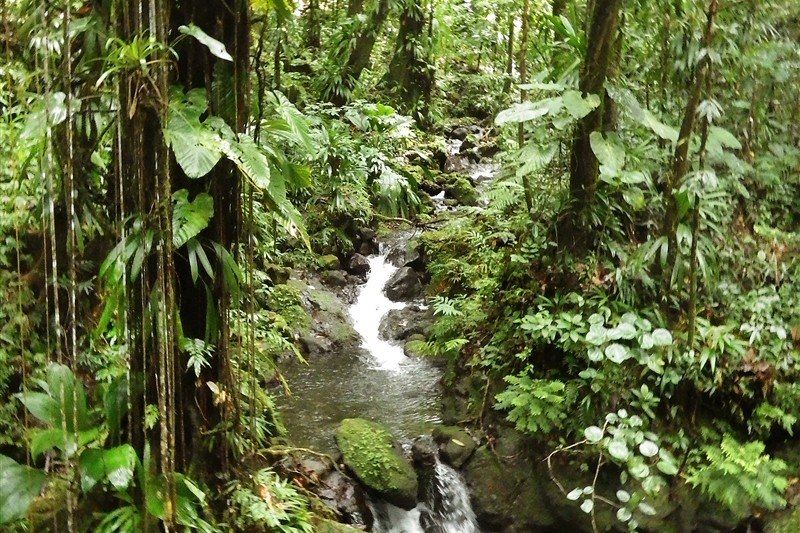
(523, 94)
(409, 74)
(584, 168)
(681, 159)
(509, 54)
(165, 291)
(359, 56)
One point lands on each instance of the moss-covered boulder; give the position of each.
(455, 444)
(783, 522)
(415, 348)
(369, 451)
(328, 262)
(460, 189)
(324, 525)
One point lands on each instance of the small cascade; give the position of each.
(370, 307)
(446, 508)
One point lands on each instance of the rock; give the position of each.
(277, 273)
(344, 495)
(424, 451)
(368, 234)
(783, 522)
(358, 265)
(335, 278)
(460, 133)
(403, 285)
(455, 444)
(399, 324)
(368, 248)
(323, 525)
(460, 189)
(315, 345)
(369, 451)
(488, 150)
(329, 262)
(506, 496)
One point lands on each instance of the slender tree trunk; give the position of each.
(584, 168)
(408, 73)
(681, 159)
(313, 25)
(359, 56)
(509, 53)
(523, 79)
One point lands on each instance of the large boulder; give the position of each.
(370, 453)
(455, 445)
(403, 285)
(358, 265)
(400, 324)
(506, 496)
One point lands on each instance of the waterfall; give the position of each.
(446, 508)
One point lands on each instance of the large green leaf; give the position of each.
(189, 218)
(19, 485)
(196, 146)
(608, 151)
(577, 105)
(213, 45)
(116, 465)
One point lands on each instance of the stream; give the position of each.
(380, 383)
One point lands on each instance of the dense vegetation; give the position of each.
(627, 297)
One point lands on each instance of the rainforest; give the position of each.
(399, 266)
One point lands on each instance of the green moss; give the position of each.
(328, 262)
(785, 522)
(369, 452)
(323, 525)
(461, 190)
(285, 301)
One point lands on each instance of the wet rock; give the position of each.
(344, 495)
(424, 451)
(315, 345)
(329, 261)
(455, 444)
(506, 495)
(358, 265)
(370, 452)
(399, 324)
(461, 190)
(335, 278)
(460, 133)
(368, 234)
(368, 248)
(403, 285)
(323, 525)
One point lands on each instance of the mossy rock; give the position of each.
(329, 262)
(369, 451)
(323, 525)
(784, 522)
(455, 444)
(461, 190)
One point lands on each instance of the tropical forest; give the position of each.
(400, 266)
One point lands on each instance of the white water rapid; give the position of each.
(446, 509)
(370, 307)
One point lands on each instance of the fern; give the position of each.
(534, 405)
(741, 476)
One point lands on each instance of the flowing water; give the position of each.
(378, 382)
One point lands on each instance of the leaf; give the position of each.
(610, 154)
(196, 145)
(190, 218)
(578, 106)
(593, 434)
(213, 45)
(647, 509)
(623, 514)
(634, 197)
(19, 486)
(526, 111)
(574, 494)
(648, 448)
(661, 337)
(623, 496)
(618, 450)
(667, 467)
(617, 353)
(587, 506)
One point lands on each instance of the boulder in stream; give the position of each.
(455, 444)
(403, 285)
(358, 265)
(369, 451)
(400, 324)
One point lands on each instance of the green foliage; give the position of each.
(741, 476)
(267, 502)
(19, 485)
(534, 405)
